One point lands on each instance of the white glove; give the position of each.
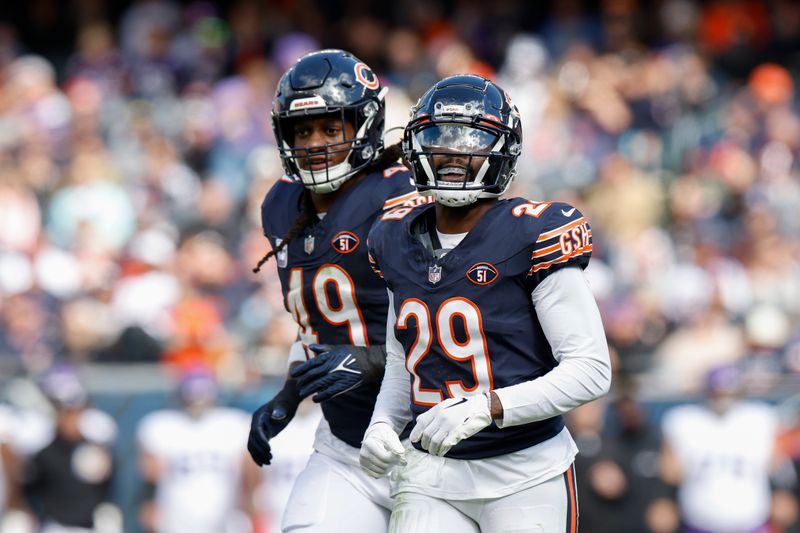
(449, 422)
(381, 449)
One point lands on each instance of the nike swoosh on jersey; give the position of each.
(568, 213)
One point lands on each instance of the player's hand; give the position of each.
(270, 419)
(449, 422)
(380, 450)
(334, 371)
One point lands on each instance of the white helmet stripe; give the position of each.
(423, 160)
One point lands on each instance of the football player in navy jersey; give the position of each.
(493, 332)
(328, 118)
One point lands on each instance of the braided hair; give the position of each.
(308, 213)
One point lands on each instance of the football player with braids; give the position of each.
(328, 118)
(493, 333)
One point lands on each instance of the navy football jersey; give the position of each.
(326, 279)
(466, 320)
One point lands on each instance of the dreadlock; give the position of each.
(308, 213)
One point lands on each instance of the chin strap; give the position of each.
(336, 175)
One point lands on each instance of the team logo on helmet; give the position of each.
(482, 273)
(345, 242)
(366, 77)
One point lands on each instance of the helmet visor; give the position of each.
(456, 137)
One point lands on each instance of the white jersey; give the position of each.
(725, 462)
(291, 449)
(31, 431)
(201, 461)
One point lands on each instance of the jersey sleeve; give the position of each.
(675, 422)
(374, 264)
(398, 187)
(564, 239)
(276, 215)
(152, 432)
(373, 247)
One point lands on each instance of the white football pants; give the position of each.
(330, 496)
(550, 507)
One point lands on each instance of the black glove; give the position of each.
(270, 419)
(338, 369)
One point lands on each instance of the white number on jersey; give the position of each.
(473, 349)
(345, 312)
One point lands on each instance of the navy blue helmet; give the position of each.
(463, 140)
(330, 82)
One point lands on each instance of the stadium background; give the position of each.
(136, 147)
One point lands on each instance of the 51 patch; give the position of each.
(482, 273)
(345, 242)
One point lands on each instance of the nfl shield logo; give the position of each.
(434, 274)
(308, 245)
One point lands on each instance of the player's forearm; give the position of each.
(570, 385)
(573, 327)
(392, 405)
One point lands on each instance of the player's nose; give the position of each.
(317, 140)
(456, 158)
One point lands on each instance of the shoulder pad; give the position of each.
(280, 206)
(564, 238)
(395, 186)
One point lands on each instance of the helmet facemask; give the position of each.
(333, 84)
(463, 141)
(459, 162)
(306, 163)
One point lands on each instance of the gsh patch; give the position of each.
(482, 273)
(345, 242)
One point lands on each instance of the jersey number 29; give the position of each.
(473, 349)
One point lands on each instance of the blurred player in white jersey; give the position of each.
(720, 455)
(196, 463)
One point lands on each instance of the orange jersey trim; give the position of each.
(563, 258)
(552, 233)
(397, 200)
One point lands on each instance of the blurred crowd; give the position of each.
(136, 147)
(132, 170)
